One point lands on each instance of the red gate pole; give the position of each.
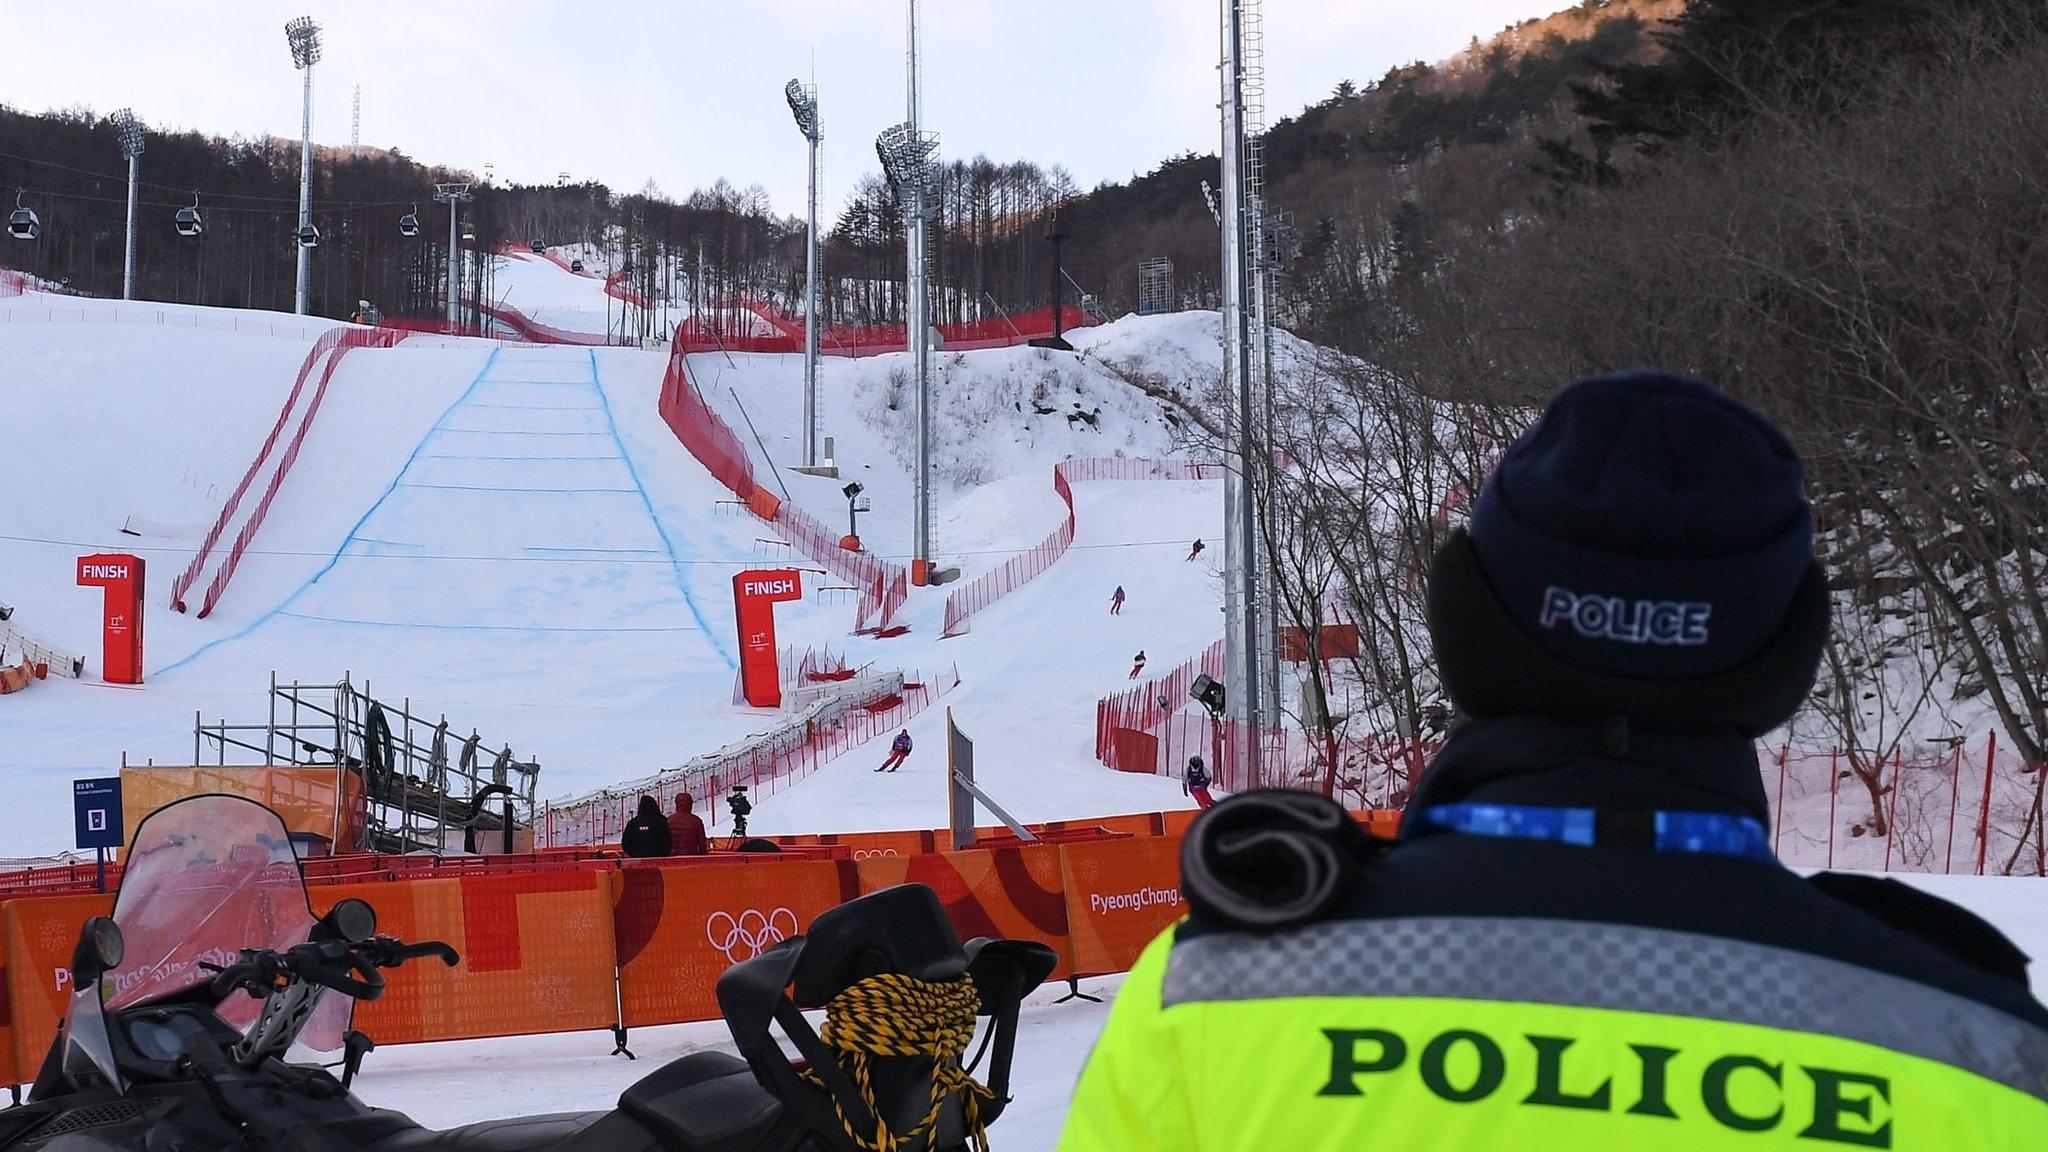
(1891, 818)
(1834, 793)
(1984, 812)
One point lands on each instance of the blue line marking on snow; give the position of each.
(409, 624)
(500, 488)
(668, 545)
(521, 459)
(624, 551)
(509, 432)
(210, 645)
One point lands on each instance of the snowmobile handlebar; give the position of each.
(351, 969)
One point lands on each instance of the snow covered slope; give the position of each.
(513, 536)
(546, 292)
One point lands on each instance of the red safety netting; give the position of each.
(337, 341)
(1022, 568)
(13, 283)
(757, 326)
(766, 767)
(883, 586)
(1963, 810)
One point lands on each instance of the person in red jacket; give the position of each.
(686, 829)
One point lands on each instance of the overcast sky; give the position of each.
(687, 91)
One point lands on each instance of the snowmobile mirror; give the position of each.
(99, 951)
(1208, 693)
(351, 920)
(354, 1046)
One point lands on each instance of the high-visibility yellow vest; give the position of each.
(1526, 1035)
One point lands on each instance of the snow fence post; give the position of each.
(1984, 812)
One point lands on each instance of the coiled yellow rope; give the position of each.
(897, 1015)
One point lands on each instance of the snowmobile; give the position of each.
(202, 1008)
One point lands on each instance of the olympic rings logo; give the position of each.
(872, 853)
(750, 934)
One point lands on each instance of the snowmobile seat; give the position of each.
(709, 1102)
(903, 930)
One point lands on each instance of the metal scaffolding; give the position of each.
(426, 789)
(1155, 286)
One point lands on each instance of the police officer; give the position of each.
(1581, 939)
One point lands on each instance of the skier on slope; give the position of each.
(1137, 663)
(899, 751)
(1196, 783)
(1116, 601)
(1196, 550)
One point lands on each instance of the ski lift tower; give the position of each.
(908, 154)
(453, 195)
(803, 104)
(130, 132)
(303, 34)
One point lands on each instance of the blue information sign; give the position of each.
(96, 810)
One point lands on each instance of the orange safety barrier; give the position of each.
(303, 798)
(17, 678)
(568, 943)
(40, 935)
(679, 929)
(1120, 894)
(537, 955)
(1012, 893)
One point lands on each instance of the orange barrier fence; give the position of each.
(679, 928)
(1007, 892)
(303, 797)
(584, 944)
(39, 936)
(537, 955)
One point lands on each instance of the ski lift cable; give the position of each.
(345, 209)
(122, 179)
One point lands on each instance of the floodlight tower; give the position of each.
(303, 34)
(130, 132)
(1240, 550)
(453, 195)
(803, 104)
(908, 154)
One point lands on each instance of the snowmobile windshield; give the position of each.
(206, 878)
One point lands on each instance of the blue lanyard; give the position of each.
(1699, 833)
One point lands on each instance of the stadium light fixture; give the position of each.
(128, 130)
(302, 33)
(803, 104)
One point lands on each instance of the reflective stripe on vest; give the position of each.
(1618, 967)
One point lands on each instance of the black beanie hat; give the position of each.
(1645, 550)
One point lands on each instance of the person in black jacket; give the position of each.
(646, 836)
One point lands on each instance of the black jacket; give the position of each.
(1874, 923)
(647, 837)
